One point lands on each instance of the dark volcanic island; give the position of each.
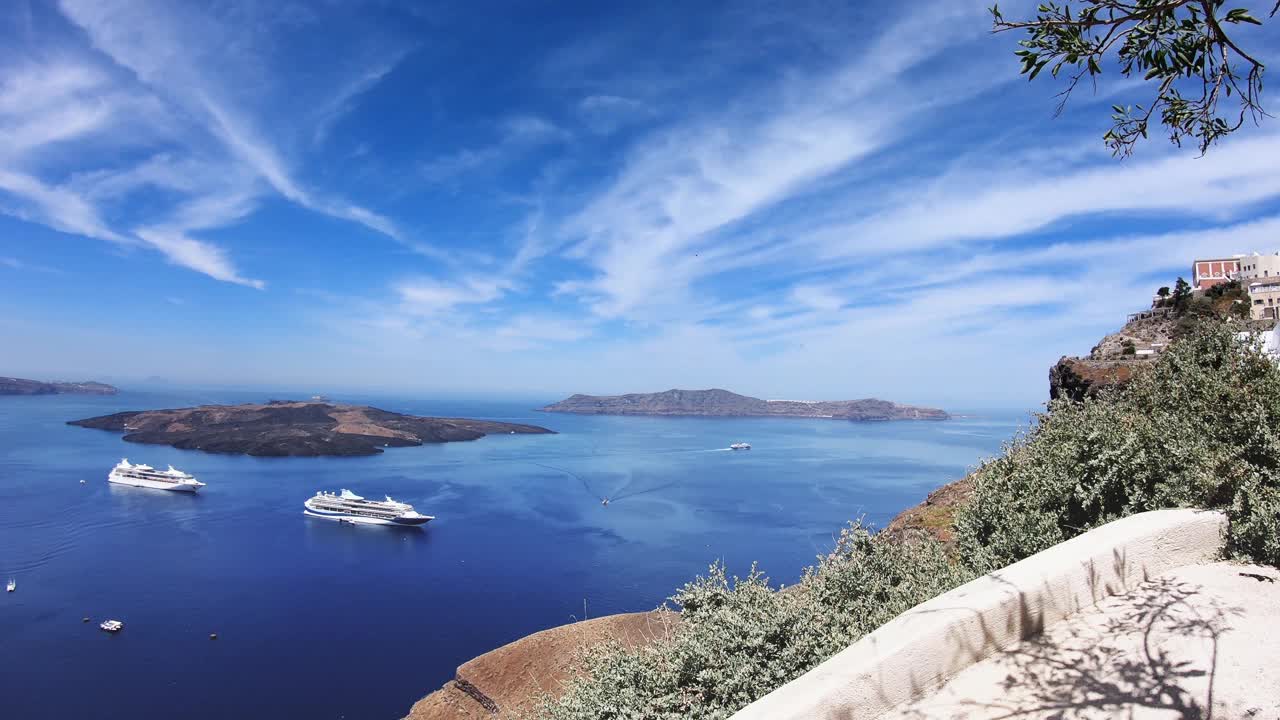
(281, 428)
(722, 403)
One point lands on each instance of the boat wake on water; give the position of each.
(618, 494)
(585, 485)
(646, 491)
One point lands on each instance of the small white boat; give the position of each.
(13, 585)
(740, 446)
(111, 626)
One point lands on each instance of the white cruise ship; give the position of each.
(148, 477)
(351, 508)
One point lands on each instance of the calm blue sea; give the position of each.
(321, 620)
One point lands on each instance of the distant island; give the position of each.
(285, 428)
(19, 386)
(722, 403)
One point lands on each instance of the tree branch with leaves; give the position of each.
(1180, 45)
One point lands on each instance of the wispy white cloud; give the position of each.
(604, 113)
(815, 232)
(976, 206)
(343, 101)
(529, 331)
(188, 252)
(204, 77)
(428, 297)
(14, 263)
(817, 298)
(840, 219)
(516, 135)
(653, 230)
(54, 206)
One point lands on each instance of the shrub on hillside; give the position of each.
(741, 639)
(1197, 429)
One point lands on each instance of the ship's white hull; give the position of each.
(411, 520)
(353, 519)
(153, 484)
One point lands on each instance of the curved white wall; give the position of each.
(920, 649)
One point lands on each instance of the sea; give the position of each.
(316, 619)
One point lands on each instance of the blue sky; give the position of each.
(804, 200)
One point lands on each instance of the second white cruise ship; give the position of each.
(351, 508)
(146, 476)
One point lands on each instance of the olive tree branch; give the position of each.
(1167, 40)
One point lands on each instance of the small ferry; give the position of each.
(740, 446)
(146, 476)
(349, 507)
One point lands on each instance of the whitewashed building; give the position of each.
(1264, 298)
(1255, 265)
(1268, 342)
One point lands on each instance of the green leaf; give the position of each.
(1240, 15)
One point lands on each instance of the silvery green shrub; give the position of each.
(740, 638)
(1199, 428)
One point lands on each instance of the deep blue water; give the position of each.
(321, 620)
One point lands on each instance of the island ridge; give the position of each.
(21, 386)
(284, 428)
(722, 403)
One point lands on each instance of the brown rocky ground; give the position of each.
(1114, 360)
(1078, 378)
(1144, 332)
(507, 682)
(936, 515)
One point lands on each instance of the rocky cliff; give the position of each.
(1078, 378)
(507, 682)
(294, 428)
(19, 386)
(1115, 358)
(722, 403)
(1142, 339)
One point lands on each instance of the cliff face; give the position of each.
(1115, 358)
(293, 428)
(936, 516)
(507, 682)
(1113, 361)
(19, 386)
(1078, 378)
(722, 403)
